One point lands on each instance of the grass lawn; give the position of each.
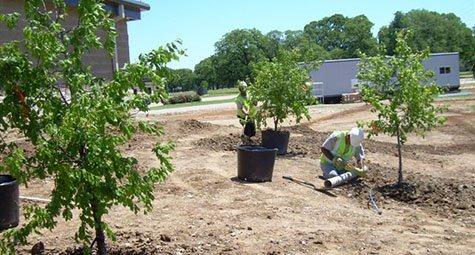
(466, 74)
(222, 92)
(171, 106)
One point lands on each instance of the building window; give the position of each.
(444, 70)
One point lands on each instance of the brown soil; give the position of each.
(202, 209)
(449, 197)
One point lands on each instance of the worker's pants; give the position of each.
(329, 170)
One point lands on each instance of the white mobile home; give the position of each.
(338, 77)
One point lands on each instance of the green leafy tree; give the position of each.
(181, 80)
(292, 39)
(76, 122)
(236, 51)
(206, 70)
(275, 41)
(439, 32)
(281, 89)
(341, 36)
(204, 85)
(401, 91)
(306, 49)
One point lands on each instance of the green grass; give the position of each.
(454, 98)
(466, 74)
(222, 92)
(462, 95)
(172, 106)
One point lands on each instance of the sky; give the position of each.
(201, 23)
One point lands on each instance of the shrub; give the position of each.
(312, 101)
(183, 97)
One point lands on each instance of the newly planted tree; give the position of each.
(281, 88)
(75, 122)
(402, 92)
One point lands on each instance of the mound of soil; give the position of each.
(223, 142)
(194, 125)
(303, 141)
(448, 197)
(219, 142)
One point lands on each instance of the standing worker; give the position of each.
(244, 112)
(337, 151)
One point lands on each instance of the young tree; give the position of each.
(76, 122)
(281, 88)
(401, 91)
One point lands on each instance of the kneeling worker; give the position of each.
(338, 150)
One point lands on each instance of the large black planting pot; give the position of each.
(9, 202)
(255, 163)
(276, 139)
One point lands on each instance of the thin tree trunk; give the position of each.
(399, 149)
(276, 122)
(100, 237)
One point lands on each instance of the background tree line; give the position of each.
(331, 37)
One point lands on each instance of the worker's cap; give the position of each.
(356, 136)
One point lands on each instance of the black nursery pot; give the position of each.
(255, 163)
(9, 202)
(276, 139)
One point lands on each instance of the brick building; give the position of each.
(102, 64)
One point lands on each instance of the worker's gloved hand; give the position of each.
(360, 172)
(339, 163)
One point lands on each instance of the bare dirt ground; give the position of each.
(202, 209)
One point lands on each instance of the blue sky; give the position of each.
(200, 23)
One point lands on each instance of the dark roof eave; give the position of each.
(133, 3)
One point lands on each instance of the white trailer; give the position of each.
(338, 77)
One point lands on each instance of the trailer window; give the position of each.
(444, 70)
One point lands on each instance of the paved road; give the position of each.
(222, 106)
(207, 99)
(467, 80)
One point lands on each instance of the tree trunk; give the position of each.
(276, 122)
(399, 149)
(100, 237)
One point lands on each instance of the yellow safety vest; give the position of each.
(240, 101)
(340, 149)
